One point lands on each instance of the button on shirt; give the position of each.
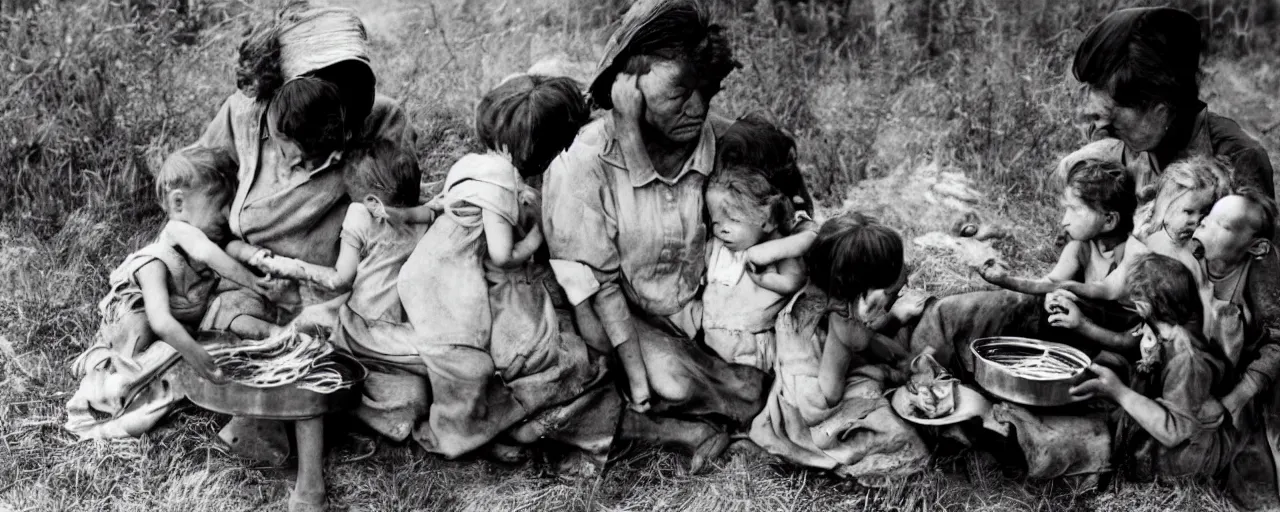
(611, 225)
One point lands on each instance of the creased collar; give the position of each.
(701, 161)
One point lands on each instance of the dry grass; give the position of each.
(87, 107)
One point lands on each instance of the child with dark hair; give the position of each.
(1172, 425)
(306, 119)
(160, 293)
(753, 140)
(475, 288)
(826, 408)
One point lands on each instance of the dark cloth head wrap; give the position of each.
(1153, 48)
(649, 26)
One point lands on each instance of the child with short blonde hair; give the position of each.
(161, 293)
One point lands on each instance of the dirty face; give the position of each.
(1228, 233)
(1139, 129)
(205, 209)
(738, 228)
(676, 100)
(1184, 213)
(1082, 222)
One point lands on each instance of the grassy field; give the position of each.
(93, 96)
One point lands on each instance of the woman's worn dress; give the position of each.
(489, 340)
(125, 388)
(860, 437)
(634, 242)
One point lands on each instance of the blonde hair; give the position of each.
(196, 168)
(1192, 174)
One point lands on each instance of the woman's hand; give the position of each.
(1105, 383)
(628, 102)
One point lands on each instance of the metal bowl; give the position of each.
(278, 403)
(997, 380)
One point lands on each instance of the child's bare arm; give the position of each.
(1066, 268)
(337, 278)
(421, 214)
(153, 279)
(243, 252)
(844, 339)
(786, 280)
(198, 247)
(789, 247)
(1111, 288)
(1065, 313)
(500, 239)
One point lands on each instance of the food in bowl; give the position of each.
(932, 388)
(1028, 371)
(1034, 362)
(291, 357)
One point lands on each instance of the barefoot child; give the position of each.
(473, 289)
(161, 292)
(826, 408)
(1171, 425)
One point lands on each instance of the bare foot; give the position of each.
(710, 449)
(578, 466)
(505, 453)
(304, 500)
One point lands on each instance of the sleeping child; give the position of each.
(826, 408)
(161, 293)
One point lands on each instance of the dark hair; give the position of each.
(1142, 57)
(1168, 286)
(1263, 209)
(1106, 186)
(309, 111)
(755, 142)
(196, 168)
(854, 254)
(382, 169)
(534, 117)
(258, 73)
(678, 33)
(751, 191)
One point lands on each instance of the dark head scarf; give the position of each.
(1143, 55)
(647, 27)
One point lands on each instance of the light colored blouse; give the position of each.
(613, 228)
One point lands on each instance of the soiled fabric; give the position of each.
(860, 437)
(383, 247)
(737, 313)
(1058, 445)
(489, 338)
(634, 243)
(1192, 438)
(125, 386)
(302, 220)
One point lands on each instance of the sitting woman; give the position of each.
(827, 408)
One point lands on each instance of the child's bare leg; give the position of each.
(250, 328)
(308, 491)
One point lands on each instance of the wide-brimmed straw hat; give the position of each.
(647, 25)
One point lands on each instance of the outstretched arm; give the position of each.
(153, 279)
(1067, 267)
(845, 337)
(199, 248)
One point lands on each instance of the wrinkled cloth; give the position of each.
(634, 243)
(125, 386)
(860, 437)
(383, 247)
(1058, 445)
(737, 313)
(1192, 439)
(317, 38)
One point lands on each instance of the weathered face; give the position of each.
(291, 153)
(738, 229)
(1185, 212)
(676, 103)
(1139, 129)
(1079, 220)
(1227, 234)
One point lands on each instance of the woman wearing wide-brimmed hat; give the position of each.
(628, 239)
(291, 200)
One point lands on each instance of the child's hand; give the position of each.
(276, 290)
(1063, 312)
(1234, 406)
(1105, 383)
(993, 271)
(628, 101)
(259, 259)
(202, 363)
(908, 306)
(315, 318)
